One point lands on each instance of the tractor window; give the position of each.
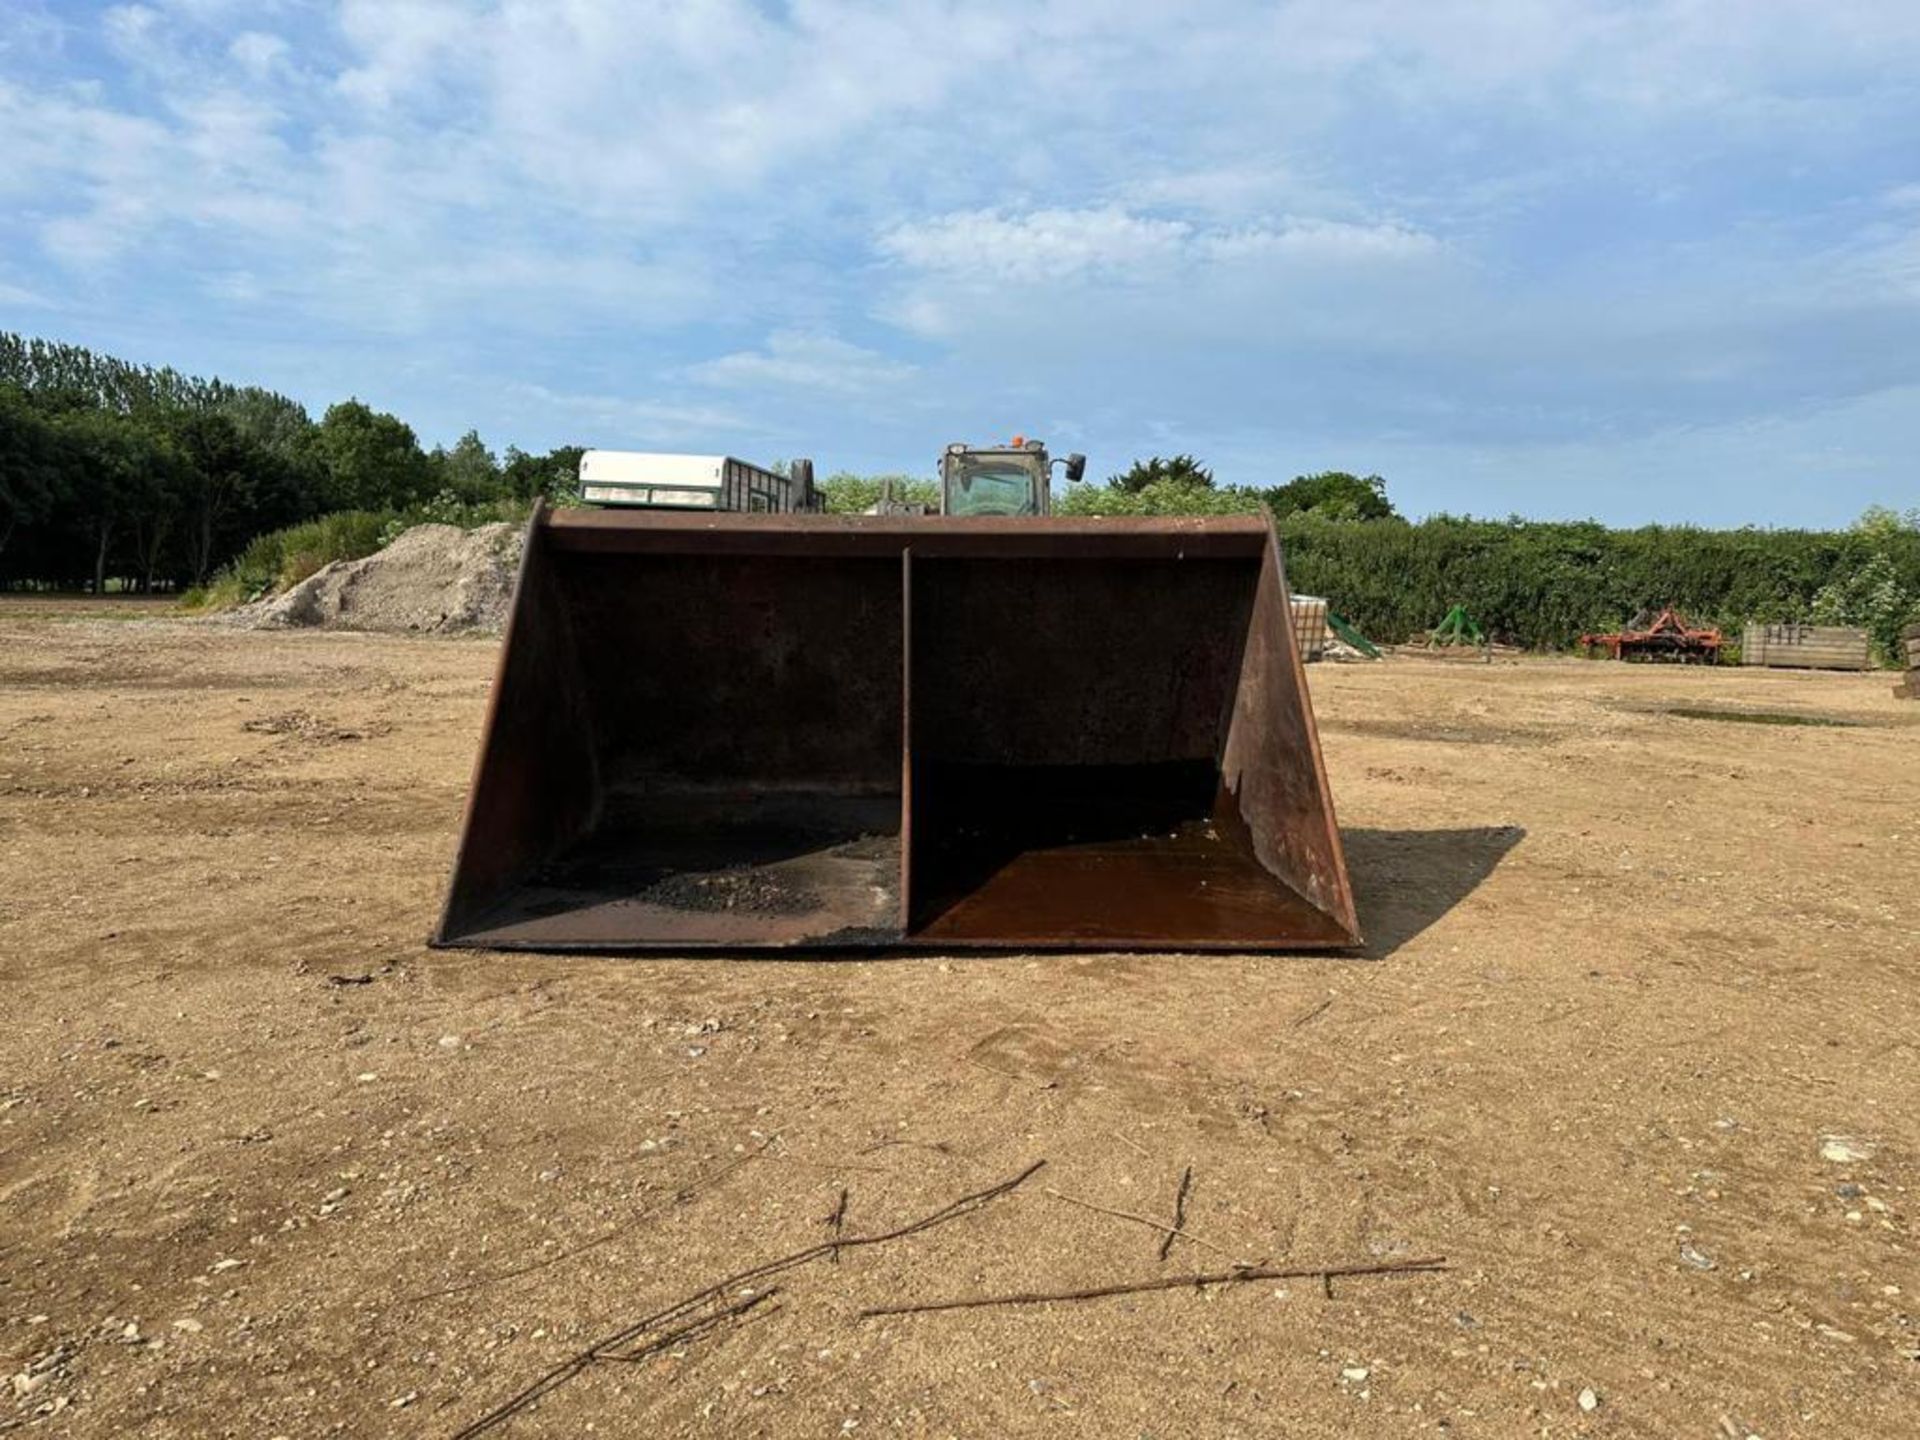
(990, 487)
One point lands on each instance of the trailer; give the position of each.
(651, 481)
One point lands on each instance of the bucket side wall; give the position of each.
(1273, 778)
(536, 785)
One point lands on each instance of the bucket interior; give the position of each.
(742, 717)
(1067, 723)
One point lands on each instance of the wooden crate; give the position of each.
(1806, 647)
(1310, 626)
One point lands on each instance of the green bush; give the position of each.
(447, 508)
(280, 558)
(1876, 595)
(847, 494)
(303, 549)
(1158, 497)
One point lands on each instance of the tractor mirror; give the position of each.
(1076, 467)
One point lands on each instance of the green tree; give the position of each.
(219, 483)
(155, 512)
(373, 460)
(108, 462)
(468, 471)
(1181, 472)
(268, 421)
(29, 465)
(1334, 495)
(555, 474)
(192, 493)
(1870, 592)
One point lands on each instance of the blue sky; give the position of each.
(1643, 261)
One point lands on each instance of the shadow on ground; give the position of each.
(1404, 880)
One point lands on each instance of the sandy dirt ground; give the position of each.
(1633, 1046)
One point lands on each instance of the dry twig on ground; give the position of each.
(1179, 1212)
(1141, 1287)
(1312, 1014)
(692, 1330)
(837, 1221)
(574, 1364)
(939, 1147)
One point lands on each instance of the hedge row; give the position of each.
(1543, 584)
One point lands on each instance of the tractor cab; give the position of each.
(1015, 479)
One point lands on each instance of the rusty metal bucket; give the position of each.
(745, 732)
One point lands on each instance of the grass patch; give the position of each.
(281, 558)
(1760, 717)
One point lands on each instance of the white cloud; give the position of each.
(1895, 262)
(795, 360)
(630, 111)
(1320, 240)
(403, 46)
(1055, 245)
(612, 123)
(111, 162)
(1117, 278)
(627, 419)
(258, 53)
(130, 28)
(1040, 245)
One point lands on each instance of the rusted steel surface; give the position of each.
(906, 737)
(1271, 767)
(836, 732)
(536, 785)
(983, 537)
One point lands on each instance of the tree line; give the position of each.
(115, 474)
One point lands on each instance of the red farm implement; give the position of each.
(1668, 635)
